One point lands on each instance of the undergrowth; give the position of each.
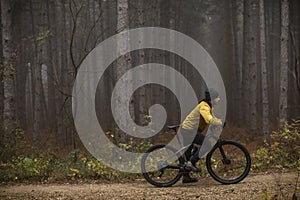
(30, 165)
(282, 151)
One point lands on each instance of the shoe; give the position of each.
(189, 166)
(187, 179)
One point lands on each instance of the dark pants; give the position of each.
(187, 137)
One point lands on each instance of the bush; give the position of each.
(82, 165)
(29, 165)
(78, 165)
(283, 151)
(26, 168)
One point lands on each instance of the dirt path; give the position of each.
(253, 187)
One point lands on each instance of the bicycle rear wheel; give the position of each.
(156, 170)
(228, 162)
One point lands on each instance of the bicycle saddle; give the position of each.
(174, 127)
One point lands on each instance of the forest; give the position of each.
(254, 43)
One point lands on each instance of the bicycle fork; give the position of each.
(225, 160)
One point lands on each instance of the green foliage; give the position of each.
(40, 167)
(134, 146)
(25, 168)
(29, 165)
(97, 169)
(283, 150)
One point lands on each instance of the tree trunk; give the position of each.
(142, 111)
(29, 97)
(284, 61)
(20, 32)
(172, 61)
(294, 81)
(264, 72)
(59, 72)
(9, 112)
(250, 64)
(274, 54)
(37, 76)
(123, 65)
(237, 34)
(51, 64)
(1, 84)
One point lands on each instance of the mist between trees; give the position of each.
(255, 44)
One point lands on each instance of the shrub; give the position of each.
(283, 151)
(26, 168)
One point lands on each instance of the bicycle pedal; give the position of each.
(190, 167)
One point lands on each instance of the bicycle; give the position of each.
(228, 162)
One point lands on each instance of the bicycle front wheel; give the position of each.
(156, 167)
(228, 162)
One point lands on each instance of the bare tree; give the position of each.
(58, 68)
(264, 72)
(295, 47)
(237, 35)
(9, 112)
(272, 8)
(284, 61)
(123, 63)
(38, 37)
(1, 81)
(51, 64)
(250, 62)
(141, 111)
(294, 63)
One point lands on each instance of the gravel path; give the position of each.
(255, 186)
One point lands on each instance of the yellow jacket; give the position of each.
(200, 117)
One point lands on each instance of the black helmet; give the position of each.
(211, 94)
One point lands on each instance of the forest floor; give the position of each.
(264, 186)
(255, 186)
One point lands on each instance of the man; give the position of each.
(199, 118)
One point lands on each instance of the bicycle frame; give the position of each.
(218, 154)
(179, 153)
